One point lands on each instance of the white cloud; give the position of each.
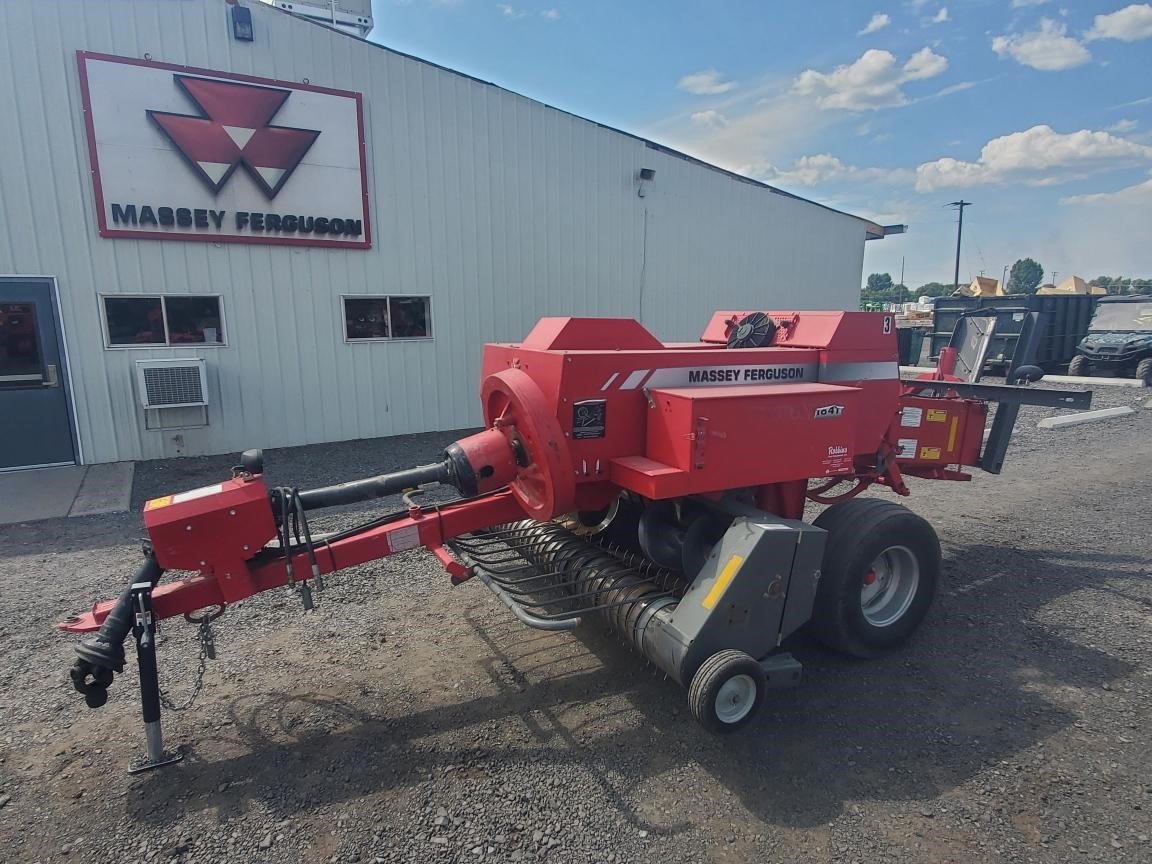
(710, 118)
(1129, 24)
(551, 14)
(822, 167)
(873, 81)
(708, 82)
(1048, 49)
(1020, 4)
(1122, 126)
(509, 11)
(878, 22)
(1038, 156)
(810, 170)
(1141, 193)
(941, 16)
(958, 87)
(925, 63)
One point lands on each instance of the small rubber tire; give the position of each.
(859, 532)
(1144, 371)
(727, 691)
(1079, 366)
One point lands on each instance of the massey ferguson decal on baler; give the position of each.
(658, 488)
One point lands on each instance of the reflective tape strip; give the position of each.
(830, 372)
(608, 383)
(633, 380)
(952, 434)
(722, 582)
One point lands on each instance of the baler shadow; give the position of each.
(966, 693)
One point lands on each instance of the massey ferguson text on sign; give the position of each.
(200, 218)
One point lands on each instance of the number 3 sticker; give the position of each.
(887, 323)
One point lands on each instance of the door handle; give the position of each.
(51, 376)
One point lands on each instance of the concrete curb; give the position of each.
(1053, 379)
(1066, 420)
(1092, 382)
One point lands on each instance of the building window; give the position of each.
(387, 318)
(138, 322)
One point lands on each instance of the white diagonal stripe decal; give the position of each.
(634, 379)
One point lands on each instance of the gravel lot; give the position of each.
(408, 721)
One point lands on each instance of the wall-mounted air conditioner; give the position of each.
(172, 383)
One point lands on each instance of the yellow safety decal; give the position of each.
(929, 452)
(722, 582)
(952, 434)
(937, 415)
(157, 503)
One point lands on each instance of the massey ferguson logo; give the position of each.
(828, 411)
(233, 129)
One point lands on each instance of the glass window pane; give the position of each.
(366, 317)
(134, 320)
(20, 360)
(411, 318)
(194, 319)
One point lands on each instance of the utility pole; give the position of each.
(958, 205)
(1004, 280)
(901, 292)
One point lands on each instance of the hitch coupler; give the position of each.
(103, 654)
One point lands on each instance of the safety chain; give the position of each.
(207, 652)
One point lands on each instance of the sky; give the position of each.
(1039, 112)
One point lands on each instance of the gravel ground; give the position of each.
(408, 721)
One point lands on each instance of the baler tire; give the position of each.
(860, 531)
(708, 684)
(1144, 371)
(1079, 366)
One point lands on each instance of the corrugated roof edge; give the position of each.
(873, 231)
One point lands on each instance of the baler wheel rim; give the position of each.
(735, 699)
(886, 597)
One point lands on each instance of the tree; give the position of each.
(934, 289)
(1025, 277)
(879, 283)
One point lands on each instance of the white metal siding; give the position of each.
(500, 208)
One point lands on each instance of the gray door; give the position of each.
(35, 425)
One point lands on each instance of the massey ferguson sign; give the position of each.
(191, 154)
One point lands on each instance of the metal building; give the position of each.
(228, 226)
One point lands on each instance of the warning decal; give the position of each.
(910, 417)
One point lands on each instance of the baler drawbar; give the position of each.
(658, 488)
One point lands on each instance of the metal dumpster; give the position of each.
(1063, 323)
